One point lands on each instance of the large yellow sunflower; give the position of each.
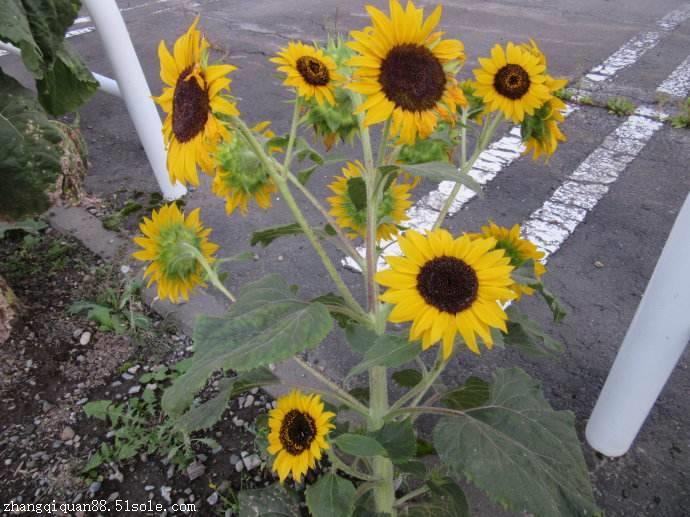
(406, 71)
(445, 286)
(512, 81)
(299, 427)
(241, 175)
(519, 251)
(172, 265)
(349, 208)
(309, 70)
(192, 96)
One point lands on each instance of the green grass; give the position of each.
(620, 106)
(682, 120)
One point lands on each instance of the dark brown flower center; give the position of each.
(297, 432)
(412, 77)
(448, 284)
(190, 108)
(313, 71)
(512, 81)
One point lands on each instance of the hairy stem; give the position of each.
(293, 135)
(344, 395)
(411, 495)
(210, 272)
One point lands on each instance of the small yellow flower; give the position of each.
(309, 70)
(166, 241)
(191, 99)
(519, 251)
(348, 206)
(512, 81)
(299, 428)
(446, 286)
(406, 71)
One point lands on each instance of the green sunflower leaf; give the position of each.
(331, 496)
(407, 378)
(272, 501)
(390, 350)
(527, 336)
(360, 445)
(523, 454)
(360, 338)
(552, 302)
(444, 499)
(399, 440)
(474, 393)
(267, 324)
(357, 193)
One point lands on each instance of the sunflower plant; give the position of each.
(425, 292)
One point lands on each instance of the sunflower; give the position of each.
(349, 206)
(309, 70)
(445, 286)
(541, 132)
(406, 71)
(191, 99)
(512, 81)
(519, 251)
(172, 265)
(241, 175)
(298, 428)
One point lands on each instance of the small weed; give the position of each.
(586, 100)
(682, 120)
(620, 106)
(564, 94)
(140, 426)
(115, 310)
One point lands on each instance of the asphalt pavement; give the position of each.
(603, 247)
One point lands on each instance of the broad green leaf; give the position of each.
(474, 393)
(527, 336)
(414, 468)
(14, 29)
(360, 338)
(444, 499)
(30, 151)
(443, 171)
(205, 415)
(359, 445)
(268, 235)
(337, 308)
(331, 496)
(272, 501)
(408, 378)
(267, 324)
(66, 85)
(391, 350)
(522, 453)
(399, 440)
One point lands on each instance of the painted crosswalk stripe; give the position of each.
(550, 225)
(636, 47)
(678, 83)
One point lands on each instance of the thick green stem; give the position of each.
(384, 493)
(346, 243)
(384, 142)
(274, 170)
(411, 495)
(466, 165)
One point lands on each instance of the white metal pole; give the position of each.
(656, 339)
(134, 89)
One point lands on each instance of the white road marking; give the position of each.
(678, 83)
(549, 226)
(633, 50)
